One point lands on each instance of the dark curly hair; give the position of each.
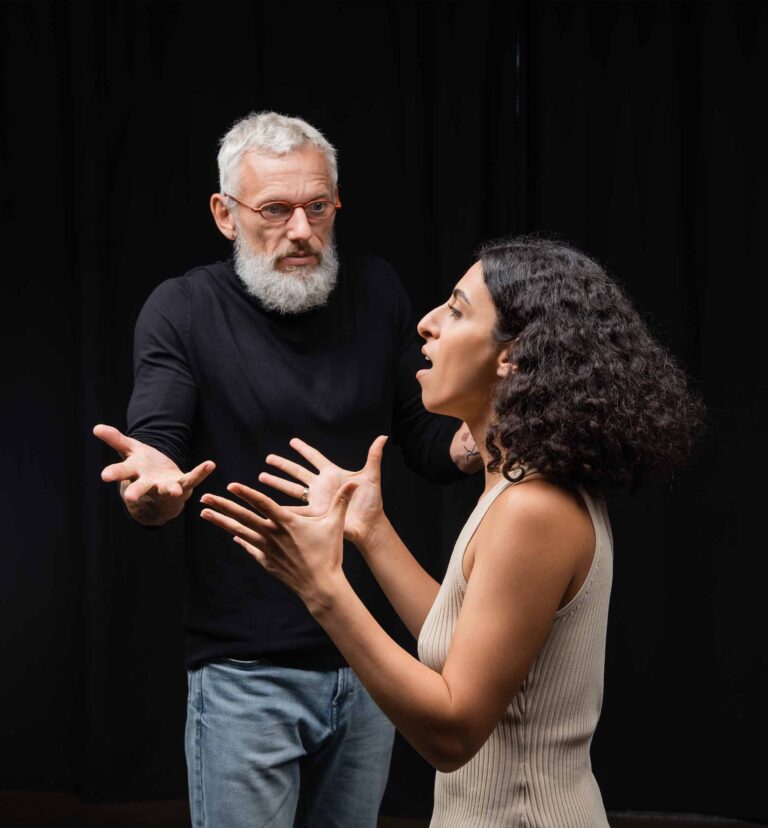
(595, 400)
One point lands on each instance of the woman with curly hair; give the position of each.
(568, 395)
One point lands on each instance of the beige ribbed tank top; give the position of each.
(534, 770)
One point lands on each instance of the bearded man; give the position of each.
(232, 360)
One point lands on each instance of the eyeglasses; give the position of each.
(278, 212)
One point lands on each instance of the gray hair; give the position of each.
(271, 133)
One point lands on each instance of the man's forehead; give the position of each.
(302, 161)
(296, 176)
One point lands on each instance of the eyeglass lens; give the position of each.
(282, 211)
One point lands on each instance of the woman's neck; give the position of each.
(479, 430)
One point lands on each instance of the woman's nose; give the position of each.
(427, 327)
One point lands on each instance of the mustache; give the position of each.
(298, 251)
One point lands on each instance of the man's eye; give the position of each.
(275, 210)
(318, 208)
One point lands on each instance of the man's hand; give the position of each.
(152, 486)
(464, 451)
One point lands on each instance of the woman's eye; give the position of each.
(454, 313)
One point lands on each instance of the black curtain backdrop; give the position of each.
(630, 129)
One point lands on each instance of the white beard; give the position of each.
(286, 292)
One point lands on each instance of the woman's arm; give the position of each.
(526, 552)
(408, 586)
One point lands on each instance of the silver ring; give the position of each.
(305, 494)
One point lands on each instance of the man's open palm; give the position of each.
(153, 487)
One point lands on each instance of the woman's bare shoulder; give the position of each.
(535, 516)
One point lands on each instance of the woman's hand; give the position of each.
(304, 551)
(366, 507)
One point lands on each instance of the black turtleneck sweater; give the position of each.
(219, 378)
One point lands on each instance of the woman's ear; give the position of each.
(504, 365)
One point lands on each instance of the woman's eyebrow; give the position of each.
(458, 293)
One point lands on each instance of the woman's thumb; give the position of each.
(375, 452)
(343, 497)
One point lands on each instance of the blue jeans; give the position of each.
(256, 732)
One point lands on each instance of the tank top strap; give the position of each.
(473, 521)
(486, 501)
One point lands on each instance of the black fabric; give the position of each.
(219, 378)
(633, 129)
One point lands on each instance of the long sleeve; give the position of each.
(164, 399)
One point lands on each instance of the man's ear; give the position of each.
(223, 217)
(504, 364)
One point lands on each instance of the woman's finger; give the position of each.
(285, 486)
(311, 455)
(375, 453)
(239, 513)
(231, 526)
(289, 467)
(245, 493)
(254, 551)
(343, 498)
(264, 504)
(302, 510)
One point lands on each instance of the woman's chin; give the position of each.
(435, 406)
(426, 402)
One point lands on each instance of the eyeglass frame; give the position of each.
(336, 204)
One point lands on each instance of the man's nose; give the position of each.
(298, 225)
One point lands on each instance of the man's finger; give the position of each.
(170, 488)
(113, 438)
(138, 489)
(289, 467)
(284, 486)
(231, 526)
(237, 512)
(311, 455)
(119, 471)
(194, 478)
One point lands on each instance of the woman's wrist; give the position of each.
(323, 600)
(376, 536)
